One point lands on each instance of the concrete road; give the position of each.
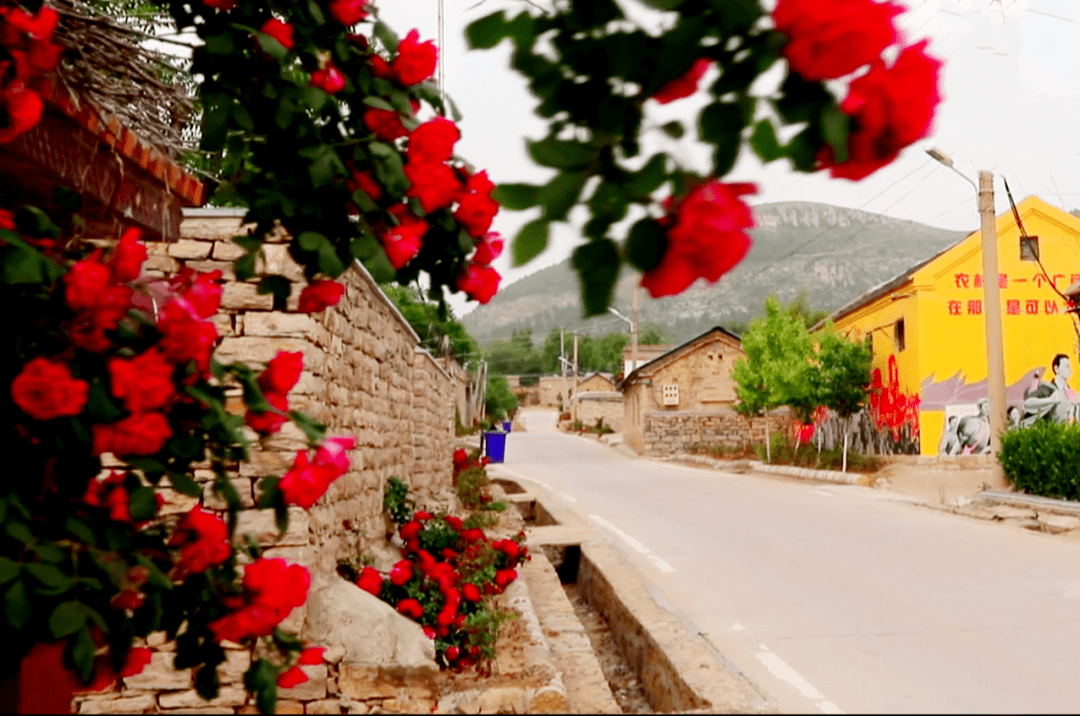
(829, 598)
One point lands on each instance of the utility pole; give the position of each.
(575, 365)
(992, 309)
(634, 325)
(562, 366)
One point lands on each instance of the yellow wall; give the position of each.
(945, 358)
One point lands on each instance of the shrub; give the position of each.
(1043, 459)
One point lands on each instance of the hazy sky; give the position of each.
(1011, 87)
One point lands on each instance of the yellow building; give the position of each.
(928, 332)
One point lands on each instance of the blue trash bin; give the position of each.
(506, 426)
(495, 445)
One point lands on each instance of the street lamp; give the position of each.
(633, 339)
(995, 368)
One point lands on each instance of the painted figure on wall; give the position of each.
(967, 434)
(1054, 401)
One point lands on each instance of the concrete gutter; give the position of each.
(1017, 499)
(805, 473)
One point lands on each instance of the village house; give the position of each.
(645, 353)
(928, 332)
(685, 396)
(596, 398)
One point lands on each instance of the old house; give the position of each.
(684, 396)
(928, 331)
(596, 398)
(645, 353)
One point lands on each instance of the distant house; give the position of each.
(596, 398)
(684, 396)
(928, 332)
(597, 382)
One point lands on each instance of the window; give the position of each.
(898, 334)
(1029, 248)
(671, 394)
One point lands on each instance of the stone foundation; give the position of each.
(670, 432)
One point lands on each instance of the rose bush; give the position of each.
(103, 366)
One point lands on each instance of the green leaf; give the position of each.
(835, 125)
(227, 490)
(206, 682)
(364, 247)
(560, 194)
(313, 429)
(721, 123)
(242, 117)
(516, 197)
(380, 268)
(142, 504)
(663, 4)
(221, 44)
(764, 143)
(157, 577)
(17, 606)
(386, 36)
(18, 532)
(68, 618)
(673, 129)
(530, 241)
(646, 244)
(216, 112)
(21, 266)
(147, 464)
(100, 405)
(184, 483)
(80, 530)
(82, 654)
(597, 263)
(649, 178)
(244, 267)
(315, 98)
(486, 32)
(326, 167)
(48, 574)
(269, 494)
(561, 154)
(316, 12)
(49, 553)
(271, 46)
(378, 103)
(279, 286)
(9, 569)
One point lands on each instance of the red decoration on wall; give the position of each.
(890, 407)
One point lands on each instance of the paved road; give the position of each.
(827, 598)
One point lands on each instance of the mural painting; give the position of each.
(895, 411)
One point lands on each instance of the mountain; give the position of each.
(832, 252)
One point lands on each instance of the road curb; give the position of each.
(805, 473)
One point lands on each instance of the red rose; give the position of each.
(831, 38)
(293, 676)
(144, 382)
(479, 183)
(282, 372)
(138, 658)
(272, 589)
(707, 239)
(488, 249)
(268, 422)
(363, 181)
(478, 282)
(127, 598)
(348, 12)
(410, 529)
(370, 581)
(428, 631)
(472, 535)
(422, 516)
(410, 608)
(403, 242)
(185, 336)
(329, 79)
(415, 60)
(380, 68)
(401, 573)
(45, 390)
(203, 539)
(320, 295)
(471, 592)
(204, 294)
(86, 282)
(128, 257)
(475, 213)
(683, 86)
(433, 141)
(503, 577)
(21, 109)
(434, 184)
(384, 123)
(460, 456)
(137, 434)
(224, 5)
(333, 454)
(510, 549)
(454, 522)
(448, 553)
(452, 653)
(280, 31)
(305, 482)
(889, 108)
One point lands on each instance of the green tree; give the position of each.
(514, 356)
(653, 335)
(424, 317)
(842, 376)
(499, 401)
(799, 307)
(778, 368)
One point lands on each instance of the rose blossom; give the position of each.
(370, 581)
(282, 372)
(708, 238)
(384, 124)
(293, 676)
(410, 608)
(272, 589)
(23, 108)
(831, 38)
(143, 382)
(320, 295)
(86, 282)
(683, 86)
(478, 282)
(433, 141)
(415, 60)
(403, 242)
(137, 434)
(203, 539)
(329, 79)
(304, 483)
(280, 31)
(433, 183)
(475, 213)
(348, 12)
(268, 422)
(401, 573)
(488, 249)
(45, 390)
(128, 257)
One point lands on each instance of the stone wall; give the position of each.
(590, 407)
(666, 433)
(363, 376)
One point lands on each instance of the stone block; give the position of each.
(176, 503)
(190, 249)
(227, 696)
(159, 674)
(261, 525)
(1054, 524)
(213, 501)
(502, 700)
(257, 350)
(202, 710)
(277, 323)
(245, 297)
(324, 706)
(234, 667)
(161, 262)
(370, 682)
(225, 267)
(312, 689)
(277, 261)
(133, 704)
(226, 251)
(267, 463)
(288, 706)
